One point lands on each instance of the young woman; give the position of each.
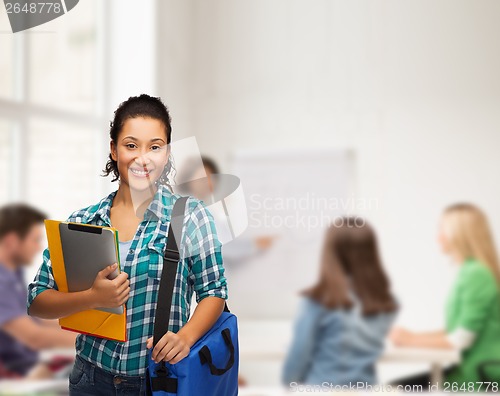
(140, 209)
(473, 306)
(345, 317)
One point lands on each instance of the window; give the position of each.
(63, 71)
(7, 58)
(67, 179)
(51, 118)
(5, 160)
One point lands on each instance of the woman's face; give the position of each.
(141, 152)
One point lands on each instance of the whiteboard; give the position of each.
(294, 196)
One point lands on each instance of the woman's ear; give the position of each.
(112, 149)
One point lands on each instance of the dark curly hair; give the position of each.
(139, 106)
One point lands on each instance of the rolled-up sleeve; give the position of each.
(204, 253)
(44, 279)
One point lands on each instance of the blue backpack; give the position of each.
(211, 368)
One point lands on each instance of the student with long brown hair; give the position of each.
(473, 306)
(345, 316)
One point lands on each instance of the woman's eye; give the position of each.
(155, 148)
(130, 145)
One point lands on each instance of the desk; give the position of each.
(34, 387)
(439, 359)
(48, 354)
(60, 387)
(262, 391)
(22, 387)
(282, 391)
(268, 341)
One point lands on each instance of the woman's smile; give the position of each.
(140, 172)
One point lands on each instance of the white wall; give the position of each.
(412, 86)
(175, 66)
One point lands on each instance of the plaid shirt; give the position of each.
(200, 270)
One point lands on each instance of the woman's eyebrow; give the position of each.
(134, 138)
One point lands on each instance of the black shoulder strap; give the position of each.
(169, 272)
(170, 263)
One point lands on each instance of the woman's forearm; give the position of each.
(435, 333)
(205, 315)
(53, 304)
(429, 340)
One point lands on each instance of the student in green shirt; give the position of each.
(473, 305)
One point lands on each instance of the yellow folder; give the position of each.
(92, 322)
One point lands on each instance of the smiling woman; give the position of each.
(141, 125)
(141, 210)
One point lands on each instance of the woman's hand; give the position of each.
(433, 339)
(400, 336)
(110, 293)
(171, 348)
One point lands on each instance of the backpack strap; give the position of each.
(170, 263)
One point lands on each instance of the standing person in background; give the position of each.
(473, 306)
(340, 331)
(22, 337)
(202, 184)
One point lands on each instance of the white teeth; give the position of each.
(139, 172)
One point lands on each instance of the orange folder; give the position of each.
(92, 322)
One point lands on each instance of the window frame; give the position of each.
(19, 109)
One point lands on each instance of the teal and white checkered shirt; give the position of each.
(200, 270)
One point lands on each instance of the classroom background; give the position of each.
(388, 108)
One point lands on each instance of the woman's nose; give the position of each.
(143, 160)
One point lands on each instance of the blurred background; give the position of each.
(387, 110)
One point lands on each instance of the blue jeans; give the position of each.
(86, 379)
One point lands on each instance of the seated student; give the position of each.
(340, 331)
(473, 306)
(21, 337)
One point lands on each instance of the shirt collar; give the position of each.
(162, 201)
(470, 260)
(156, 210)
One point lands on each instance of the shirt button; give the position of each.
(131, 251)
